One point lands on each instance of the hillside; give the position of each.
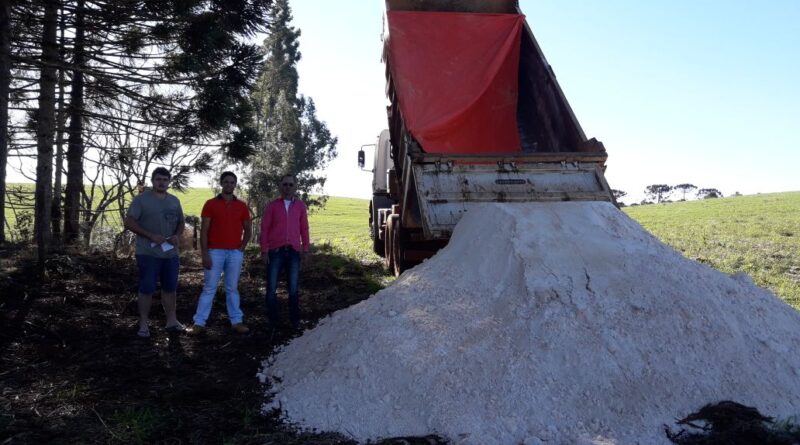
(756, 234)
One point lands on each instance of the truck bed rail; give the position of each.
(448, 186)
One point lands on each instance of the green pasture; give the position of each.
(756, 234)
(344, 224)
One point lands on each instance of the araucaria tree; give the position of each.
(706, 193)
(291, 137)
(658, 192)
(685, 188)
(125, 86)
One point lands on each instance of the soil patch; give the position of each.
(72, 369)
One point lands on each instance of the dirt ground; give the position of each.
(73, 370)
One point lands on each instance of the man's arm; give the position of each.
(304, 229)
(248, 233)
(264, 235)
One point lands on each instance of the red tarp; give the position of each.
(456, 78)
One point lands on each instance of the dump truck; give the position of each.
(476, 116)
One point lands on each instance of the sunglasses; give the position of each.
(287, 184)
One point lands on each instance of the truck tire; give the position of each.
(399, 263)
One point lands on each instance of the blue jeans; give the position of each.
(278, 259)
(229, 262)
(152, 269)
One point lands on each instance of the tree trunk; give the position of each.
(5, 82)
(60, 120)
(74, 189)
(45, 126)
(89, 221)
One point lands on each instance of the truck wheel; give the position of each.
(398, 250)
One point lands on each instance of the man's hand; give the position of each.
(207, 263)
(242, 247)
(173, 240)
(158, 239)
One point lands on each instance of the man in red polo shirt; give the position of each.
(224, 234)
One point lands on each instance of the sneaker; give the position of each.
(195, 329)
(240, 328)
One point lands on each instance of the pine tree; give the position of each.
(5, 83)
(292, 140)
(45, 130)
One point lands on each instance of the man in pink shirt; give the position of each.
(284, 237)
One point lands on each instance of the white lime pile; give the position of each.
(543, 323)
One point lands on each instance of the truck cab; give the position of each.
(382, 164)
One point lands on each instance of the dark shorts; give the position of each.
(151, 269)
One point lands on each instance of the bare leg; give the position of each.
(144, 302)
(168, 301)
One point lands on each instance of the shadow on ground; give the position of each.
(73, 371)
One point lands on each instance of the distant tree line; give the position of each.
(659, 193)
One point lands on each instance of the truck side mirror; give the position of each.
(361, 158)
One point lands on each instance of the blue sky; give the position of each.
(704, 92)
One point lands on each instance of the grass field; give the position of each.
(757, 234)
(344, 224)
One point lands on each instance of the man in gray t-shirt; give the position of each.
(156, 217)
